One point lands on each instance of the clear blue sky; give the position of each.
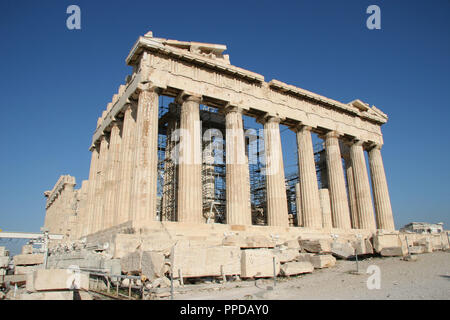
(55, 82)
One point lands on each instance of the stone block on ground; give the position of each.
(416, 249)
(392, 252)
(292, 244)
(362, 246)
(26, 269)
(131, 263)
(258, 263)
(316, 246)
(286, 255)
(259, 241)
(28, 259)
(296, 267)
(342, 250)
(426, 244)
(152, 264)
(381, 241)
(205, 261)
(323, 261)
(56, 279)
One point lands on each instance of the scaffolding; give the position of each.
(214, 168)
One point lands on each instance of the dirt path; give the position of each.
(426, 278)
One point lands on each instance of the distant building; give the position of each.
(423, 227)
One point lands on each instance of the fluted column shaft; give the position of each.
(113, 176)
(362, 187)
(89, 214)
(146, 157)
(127, 164)
(298, 205)
(189, 204)
(237, 171)
(336, 180)
(382, 201)
(309, 189)
(99, 184)
(351, 193)
(277, 212)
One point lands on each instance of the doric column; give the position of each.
(112, 175)
(189, 204)
(382, 201)
(89, 215)
(99, 181)
(277, 212)
(336, 181)
(168, 209)
(143, 201)
(127, 164)
(309, 189)
(298, 205)
(237, 172)
(351, 193)
(362, 188)
(327, 221)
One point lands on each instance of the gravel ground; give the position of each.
(426, 278)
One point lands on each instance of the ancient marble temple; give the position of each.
(125, 185)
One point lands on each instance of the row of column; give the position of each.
(354, 210)
(123, 173)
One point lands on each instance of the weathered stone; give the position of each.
(259, 241)
(131, 263)
(295, 267)
(426, 244)
(362, 246)
(342, 250)
(416, 249)
(205, 261)
(56, 279)
(3, 252)
(26, 269)
(292, 244)
(234, 241)
(286, 255)
(113, 266)
(392, 252)
(381, 241)
(322, 261)
(4, 261)
(316, 246)
(27, 249)
(304, 256)
(28, 259)
(162, 282)
(258, 263)
(152, 264)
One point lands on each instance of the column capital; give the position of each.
(230, 108)
(267, 118)
(185, 96)
(332, 134)
(148, 86)
(301, 127)
(375, 146)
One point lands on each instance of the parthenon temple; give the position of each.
(171, 151)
